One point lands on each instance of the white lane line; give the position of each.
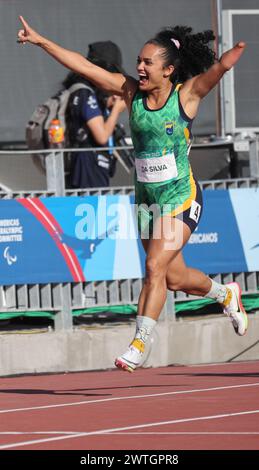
(232, 363)
(184, 433)
(126, 428)
(6, 433)
(142, 433)
(132, 397)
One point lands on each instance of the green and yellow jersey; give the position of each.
(162, 140)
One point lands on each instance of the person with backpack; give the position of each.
(81, 115)
(176, 69)
(91, 117)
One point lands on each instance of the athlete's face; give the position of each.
(150, 67)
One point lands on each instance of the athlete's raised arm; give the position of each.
(199, 86)
(115, 83)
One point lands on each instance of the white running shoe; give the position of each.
(234, 309)
(132, 357)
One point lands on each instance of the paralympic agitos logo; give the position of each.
(169, 128)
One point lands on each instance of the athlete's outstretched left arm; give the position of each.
(115, 83)
(199, 86)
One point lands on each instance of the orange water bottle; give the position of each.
(56, 134)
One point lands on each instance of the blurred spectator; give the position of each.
(92, 116)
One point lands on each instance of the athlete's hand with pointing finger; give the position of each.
(27, 34)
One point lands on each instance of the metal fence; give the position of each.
(62, 298)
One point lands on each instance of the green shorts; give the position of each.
(181, 198)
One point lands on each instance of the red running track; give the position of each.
(196, 407)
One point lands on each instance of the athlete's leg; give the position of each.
(161, 251)
(193, 281)
(179, 277)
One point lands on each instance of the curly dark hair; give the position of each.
(193, 56)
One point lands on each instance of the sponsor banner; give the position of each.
(92, 238)
(68, 240)
(245, 204)
(216, 245)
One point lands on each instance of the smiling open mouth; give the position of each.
(143, 78)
